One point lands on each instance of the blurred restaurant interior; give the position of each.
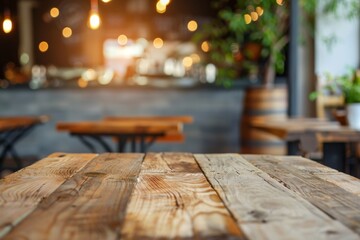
(85, 60)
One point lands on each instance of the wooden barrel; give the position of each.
(262, 104)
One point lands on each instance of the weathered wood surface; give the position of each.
(260, 204)
(21, 192)
(90, 205)
(339, 203)
(113, 128)
(173, 200)
(178, 196)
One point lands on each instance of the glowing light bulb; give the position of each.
(106, 1)
(7, 25)
(164, 2)
(94, 20)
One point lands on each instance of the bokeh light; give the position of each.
(187, 62)
(43, 46)
(205, 46)
(94, 20)
(67, 32)
(54, 12)
(122, 39)
(158, 43)
(192, 26)
(160, 8)
(7, 25)
(260, 11)
(247, 18)
(254, 16)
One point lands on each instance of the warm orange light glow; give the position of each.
(160, 8)
(43, 46)
(106, 1)
(94, 20)
(192, 26)
(247, 18)
(82, 83)
(122, 39)
(254, 16)
(187, 62)
(259, 11)
(54, 12)
(67, 32)
(205, 46)
(158, 43)
(7, 25)
(280, 2)
(164, 2)
(195, 57)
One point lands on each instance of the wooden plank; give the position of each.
(180, 118)
(112, 128)
(21, 191)
(259, 202)
(170, 204)
(344, 181)
(170, 163)
(335, 201)
(90, 205)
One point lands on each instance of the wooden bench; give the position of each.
(178, 196)
(141, 132)
(171, 136)
(12, 130)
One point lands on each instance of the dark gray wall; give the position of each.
(216, 113)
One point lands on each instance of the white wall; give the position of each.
(345, 52)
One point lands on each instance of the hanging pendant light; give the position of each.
(7, 23)
(94, 18)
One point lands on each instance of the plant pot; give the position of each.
(353, 115)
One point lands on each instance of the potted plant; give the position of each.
(250, 36)
(351, 89)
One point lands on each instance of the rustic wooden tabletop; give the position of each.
(178, 196)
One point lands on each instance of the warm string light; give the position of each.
(94, 19)
(161, 5)
(7, 23)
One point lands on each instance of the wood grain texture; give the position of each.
(340, 204)
(20, 192)
(90, 205)
(170, 163)
(258, 202)
(169, 203)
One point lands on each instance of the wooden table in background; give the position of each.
(141, 132)
(331, 135)
(178, 196)
(12, 130)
